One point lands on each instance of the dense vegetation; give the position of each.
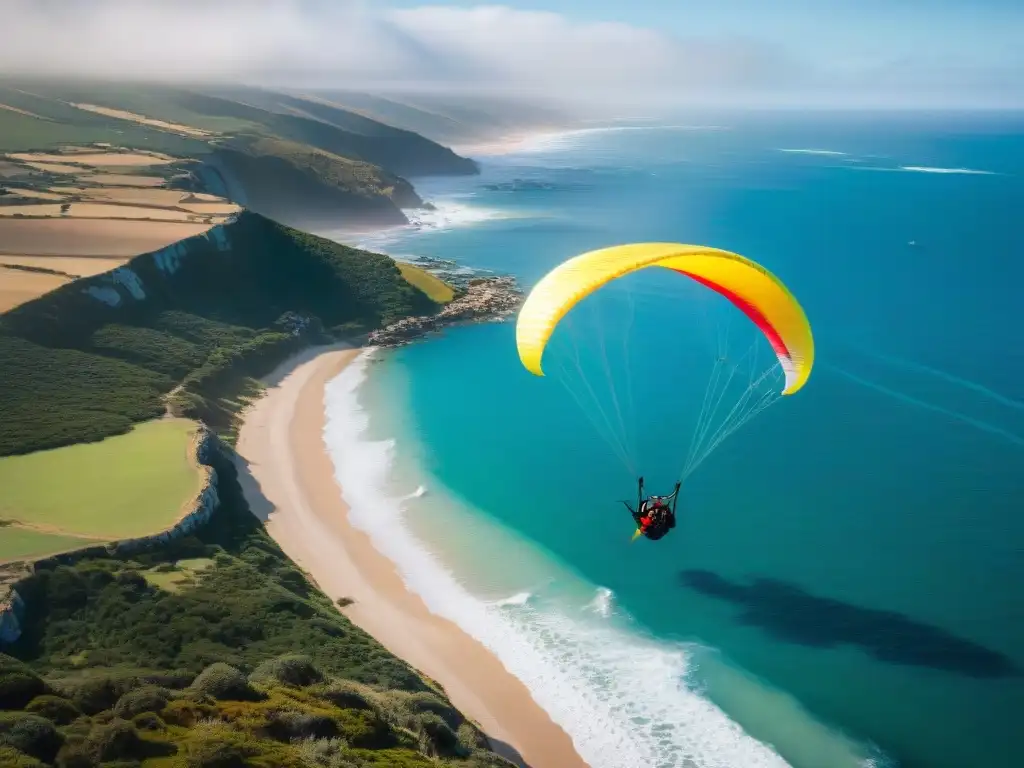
(74, 369)
(242, 662)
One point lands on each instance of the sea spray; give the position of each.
(448, 212)
(623, 698)
(602, 602)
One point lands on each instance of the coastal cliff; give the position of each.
(301, 161)
(200, 317)
(302, 185)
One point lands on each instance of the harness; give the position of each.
(656, 515)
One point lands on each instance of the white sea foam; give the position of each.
(451, 212)
(830, 152)
(622, 697)
(561, 140)
(520, 598)
(418, 493)
(602, 602)
(930, 169)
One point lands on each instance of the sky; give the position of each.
(622, 55)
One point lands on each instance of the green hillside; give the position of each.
(335, 129)
(465, 119)
(297, 160)
(216, 309)
(249, 111)
(288, 181)
(212, 652)
(44, 123)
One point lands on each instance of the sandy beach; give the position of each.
(289, 481)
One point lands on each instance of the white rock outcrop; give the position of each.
(167, 260)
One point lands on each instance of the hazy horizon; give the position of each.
(593, 59)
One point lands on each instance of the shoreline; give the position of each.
(509, 143)
(288, 479)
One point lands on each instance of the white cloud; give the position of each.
(349, 43)
(357, 43)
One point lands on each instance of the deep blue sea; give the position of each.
(846, 583)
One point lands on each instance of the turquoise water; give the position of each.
(845, 583)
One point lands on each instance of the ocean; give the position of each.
(845, 586)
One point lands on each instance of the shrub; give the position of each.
(223, 682)
(35, 736)
(486, 759)
(422, 702)
(149, 721)
(185, 713)
(440, 738)
(12, 758)
(327, 626)
(286, 726)
(472, 737)
(216, 746)
(149, 698)
(75, 755)
(18, 684)
(346, 694)
(77, 730)
(54, 708)
(19, 688)
(291, 669)
(365, 729)
(116, 740)
(325, 753)
(94, 695)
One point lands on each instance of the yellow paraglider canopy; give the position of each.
(753, 289)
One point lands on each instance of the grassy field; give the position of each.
(122, 487)
(172, 577)
(143, 120)
(19, 131)
(17, 543)
(433, 286)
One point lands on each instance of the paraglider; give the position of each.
(751, 288)
(655, 516)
